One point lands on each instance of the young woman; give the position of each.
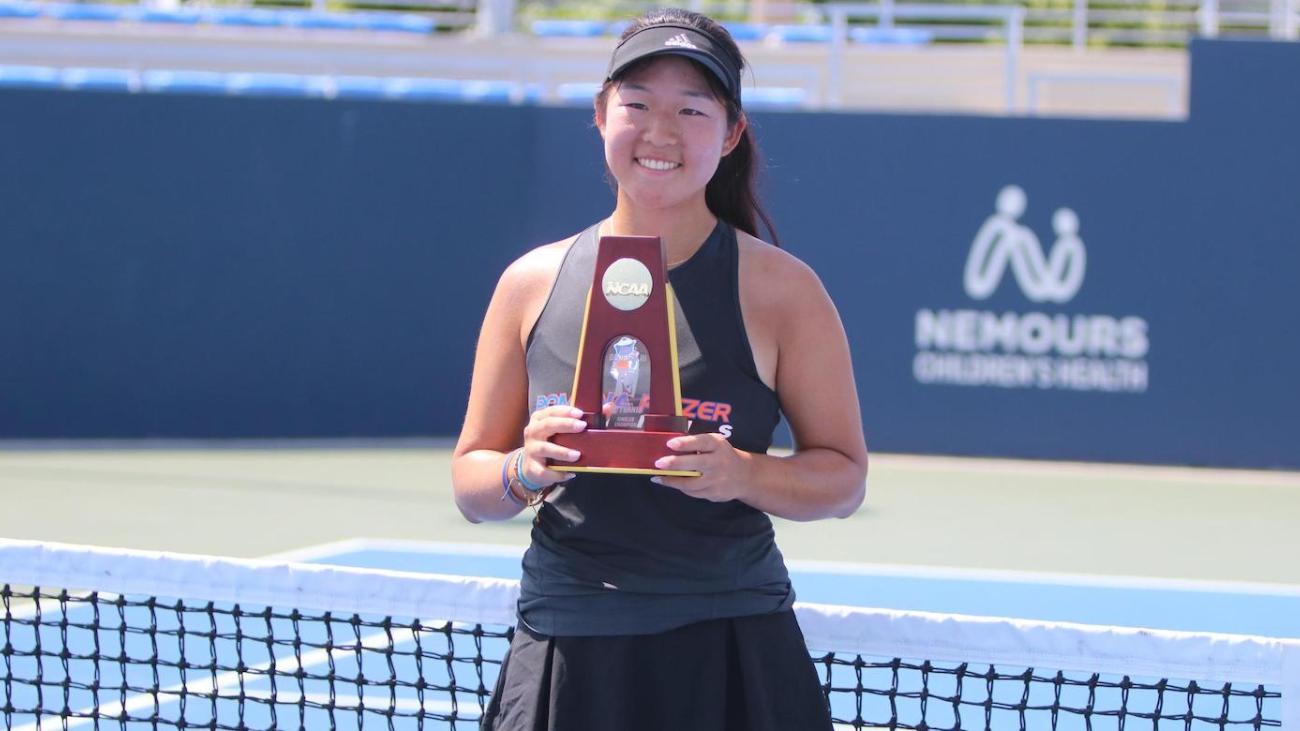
(663, 603)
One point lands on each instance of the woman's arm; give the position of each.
(826, 476)
(496, 420)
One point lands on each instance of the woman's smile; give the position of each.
(657, 164)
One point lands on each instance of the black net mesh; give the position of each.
(896, 694)
(122, 661)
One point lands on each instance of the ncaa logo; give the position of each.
(1002, 243)
(626, 284)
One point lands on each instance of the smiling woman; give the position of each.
(663, 602)
(665, 134)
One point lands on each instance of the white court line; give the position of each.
(1100, 581)
(1107, 470)
(838, 568)
(354, 545)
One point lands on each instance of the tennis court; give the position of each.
(1193, 606)
(920, 551)
(282, 224)
(254, 500)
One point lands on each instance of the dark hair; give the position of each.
(731, 193)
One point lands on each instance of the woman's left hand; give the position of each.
(724, 470)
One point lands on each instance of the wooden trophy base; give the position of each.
(623, 451)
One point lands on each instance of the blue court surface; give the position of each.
(1271, 610)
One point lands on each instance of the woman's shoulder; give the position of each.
(774, 269)
(525, 284)
(536, 270)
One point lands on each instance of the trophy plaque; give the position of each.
(626, 381)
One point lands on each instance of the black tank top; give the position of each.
(618, 555)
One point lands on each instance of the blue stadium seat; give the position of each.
(271, 84)
(251, 17)
(488, 91)
(185, 82)
(19, 10)
(414, 89)
(891, 36)
(397, 22)
(530, 93)
(748, 31)
(361, 87)
(29, 77)
(775, 97)
(181, 16)
(570, 28)
(425, 89)
(577, 94)
(326, 21)
(88, 11)
(802, 33)
(101, 79)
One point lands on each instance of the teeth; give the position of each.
(657, 164)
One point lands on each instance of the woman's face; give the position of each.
(664, 133)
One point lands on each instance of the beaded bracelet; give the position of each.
(524, 482)
(506, 492)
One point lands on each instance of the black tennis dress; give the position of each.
(641, 607)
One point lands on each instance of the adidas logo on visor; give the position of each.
(680, 40)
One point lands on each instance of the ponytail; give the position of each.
(732, 193)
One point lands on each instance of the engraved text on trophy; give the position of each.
(626, 382)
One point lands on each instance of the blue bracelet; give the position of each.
(524, 482)
(505, 483)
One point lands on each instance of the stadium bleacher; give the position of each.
(184, 82)
(333, 87)
(274, 84)
(1136, 22)
(401, 22)
(996, 58)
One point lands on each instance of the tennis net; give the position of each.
(124, 639)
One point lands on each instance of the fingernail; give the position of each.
(573, 456)
(657, 480)
(569, 476)
(575, 413)
(659, 463)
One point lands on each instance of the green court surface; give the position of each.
(928, 511)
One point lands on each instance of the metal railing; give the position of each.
(830, 70)
(887, 13)
(1078, 23)
(1085, 22)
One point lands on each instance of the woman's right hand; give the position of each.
(538, 447)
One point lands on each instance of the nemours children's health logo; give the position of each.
(1030, 349)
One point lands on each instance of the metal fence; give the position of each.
(1078, 23)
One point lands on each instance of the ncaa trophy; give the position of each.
(626, 380)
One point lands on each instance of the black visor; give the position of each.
(678, 40)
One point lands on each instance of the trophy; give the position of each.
(626, 381)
